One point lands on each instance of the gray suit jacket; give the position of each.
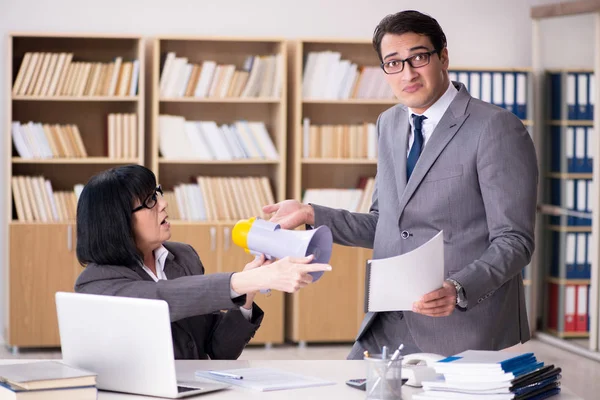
(199, 329)
(476, 180)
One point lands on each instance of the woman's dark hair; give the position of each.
(409, 21)
(104, 228)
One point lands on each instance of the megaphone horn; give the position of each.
(258, 236)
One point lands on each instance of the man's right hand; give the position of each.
(290, 214)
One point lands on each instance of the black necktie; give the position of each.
(417, 147)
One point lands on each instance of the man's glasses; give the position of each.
(151, 200)
(415, 61)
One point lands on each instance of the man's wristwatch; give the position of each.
(461, 298)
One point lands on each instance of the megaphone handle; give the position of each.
(258, 254)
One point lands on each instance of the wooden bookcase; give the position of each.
(332, 309)
(212, 238)
(41, 256)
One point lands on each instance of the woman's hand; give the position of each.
(286, 275)
(292, 274)
(257, 262)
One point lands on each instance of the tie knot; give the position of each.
(418, 120)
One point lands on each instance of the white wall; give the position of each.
(480, 32)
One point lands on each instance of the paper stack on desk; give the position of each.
(492, 375)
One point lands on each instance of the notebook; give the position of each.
(395, 283)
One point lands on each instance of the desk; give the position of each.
(337, 371)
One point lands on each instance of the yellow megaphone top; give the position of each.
(240, 231)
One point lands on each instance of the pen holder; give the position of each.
(384, 378)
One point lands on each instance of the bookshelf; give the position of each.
(569, 174)
(61, 88)
(332, 309)
(223, 92)
(569, 179)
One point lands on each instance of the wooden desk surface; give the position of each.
(336, 370)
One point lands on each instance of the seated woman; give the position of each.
(122, 239)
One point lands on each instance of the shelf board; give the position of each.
(63, 222)
(339, 161)
(563, 175)
(558, 228)
(76, 98)
(82, 160)
(248, 161)
(557, 211)
(568, 334)
(489, 69)
(202, 223)
(233, 100)
(351, 101)
(571, 122)
(526, 282)
(173, 222)
(563, 281)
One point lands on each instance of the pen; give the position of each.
(225, 375)
(389, 364)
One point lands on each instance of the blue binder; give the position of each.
(556, 95)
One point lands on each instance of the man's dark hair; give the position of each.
(409, 21)
(104, 227)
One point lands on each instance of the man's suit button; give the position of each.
(191, 345)
(405, 234)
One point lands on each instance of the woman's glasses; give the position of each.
(151, 200)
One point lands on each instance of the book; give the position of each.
(45, 375)
(8, 392)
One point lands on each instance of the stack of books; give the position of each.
(48, 380)
(492, 375)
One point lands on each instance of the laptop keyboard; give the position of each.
(183, 389)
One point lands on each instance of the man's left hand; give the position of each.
(439, 303)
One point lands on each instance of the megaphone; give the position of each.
(258, 236)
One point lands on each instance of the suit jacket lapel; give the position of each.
(143, 274)
(172, 268)
(399, 149)
(450, 123)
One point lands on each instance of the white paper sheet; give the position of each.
(266, 379)
(395, 283)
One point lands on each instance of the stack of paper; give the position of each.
(492, 375)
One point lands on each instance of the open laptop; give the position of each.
(126, 341)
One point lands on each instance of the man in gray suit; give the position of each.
(450, 162)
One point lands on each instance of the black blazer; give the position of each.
(205, 321)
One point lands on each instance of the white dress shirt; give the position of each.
(160, 255)
(434, 115)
